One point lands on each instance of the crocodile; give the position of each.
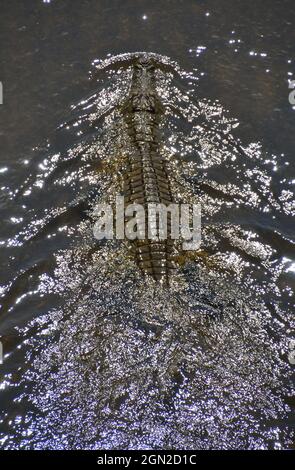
(146, 179)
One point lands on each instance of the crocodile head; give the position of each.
(145, 63)
(144, 97)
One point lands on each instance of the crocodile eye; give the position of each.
(144, 63)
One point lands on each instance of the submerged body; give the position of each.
(146, 179)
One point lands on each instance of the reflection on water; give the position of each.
(97, 357)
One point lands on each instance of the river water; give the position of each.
(96, 356)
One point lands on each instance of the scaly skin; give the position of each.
(146, 179)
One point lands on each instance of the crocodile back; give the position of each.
(146, 178)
